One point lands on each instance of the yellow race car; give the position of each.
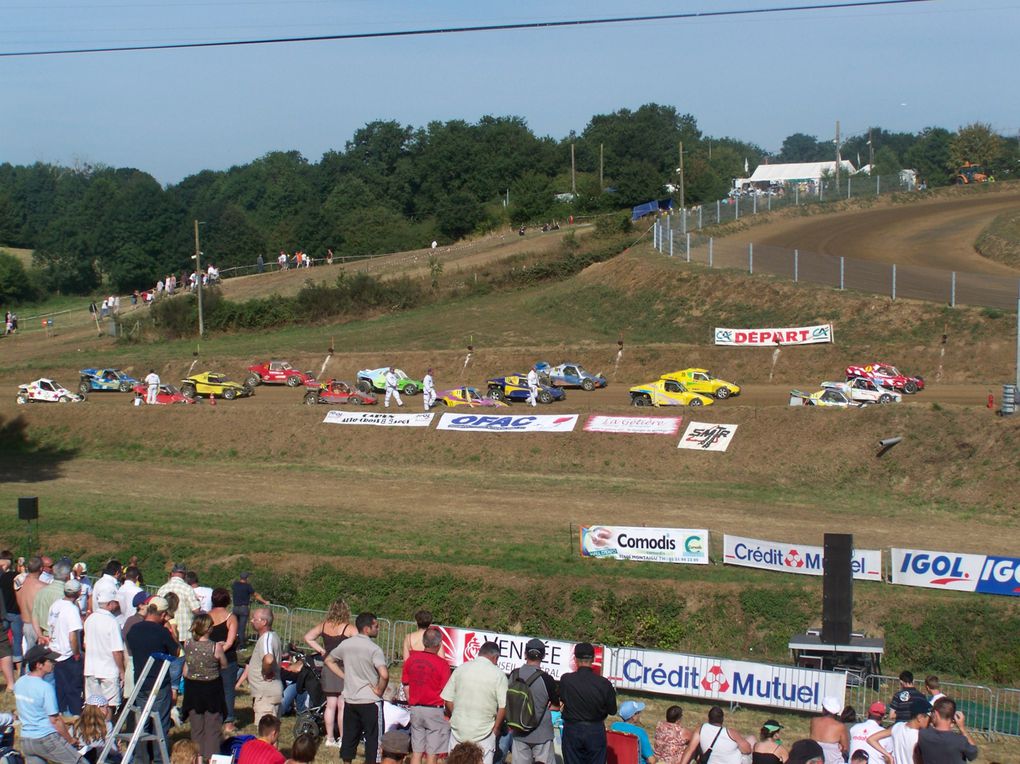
(666, 392)
(210, 384)
(702, 381)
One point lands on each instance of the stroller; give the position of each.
(305, 670)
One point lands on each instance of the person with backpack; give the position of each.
(530, 694)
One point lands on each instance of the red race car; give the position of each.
(167, 395)
(278, 373)
(886, 375)
(335, 391)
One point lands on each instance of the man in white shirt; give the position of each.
(859, 734)
(428, 390)
(533, 386)
(152, 386)
(107, 585)
(391, 388)
(126, 593)
(104, 660)
(65, 629)
(475, 698)
(204, 593)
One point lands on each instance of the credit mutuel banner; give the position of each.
(795, 558)
(678, 545)
(378, 419)
(981, 573)
(799, 335)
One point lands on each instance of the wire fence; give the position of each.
(977, 702)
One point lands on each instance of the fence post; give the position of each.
(750, 257)
(768, 200)
(796, 264)
(736, 214)
(848, 179)
(952, 291)
(878, 184)
(655, 235)
(754, 204)
(688, 247)
(718, 211)
(683, 219)
(670, 242)
(894, 281)
(711, 241)
(842, 272)
(796, 195)
(699, 217)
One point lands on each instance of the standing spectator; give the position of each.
(242, 593)
(860, 733)
(59, 574)
(361, 664)
(140, 604)
(282, 260)
(727, 745)
(260, 263)
(44, 736)
(391, 388)
(630, 715)
(79, 572)
(535, 746)
(224, 631)
(26, 596)
(108, 583)
(203, 593)
(428, 389)
(263, 669)
(904, 736)
(263, 750)
(533, 386)
(587, 700)
(329, 257)
(65, 630)
(938, 743)
(671, 737)
(149, 638)
(204, 705)
(126, 593)
(151, 386)
(416, 639)
(902, 702)
(104, 658)
(425, 675)
(332, 631)
(9, 599)
(829, 732)
(188, 604)
(933, 689)
(476, 701)
(768, 749)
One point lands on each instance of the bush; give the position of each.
(613, 225)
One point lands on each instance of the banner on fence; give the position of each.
(718, 679)
(461, 645)
(639, 425)
(795, 558)
(800, 335)
(702, 436)
(984, 574)
(678, 545)
(378, 419)
(507, 423)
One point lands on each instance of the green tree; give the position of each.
(976, 143)
(800, 147)
(15, 284)
(530, 199)
(886, 162)
(930, 156)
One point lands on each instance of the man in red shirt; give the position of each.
(425, 675)
(262, 750)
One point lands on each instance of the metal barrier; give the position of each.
(976, 701)
(1007, 712)
(281, 621)
(303, 620)
(400, 631)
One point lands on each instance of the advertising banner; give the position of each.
(461, 645)
(800, 335)
(639, 425)
(379, 419)
(507, 423)
(721, 680)
(680, 545)
(701, 436)
(795, 558)
(984, 574)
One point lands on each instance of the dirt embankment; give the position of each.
(1000, 241)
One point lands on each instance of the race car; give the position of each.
(45, 390)
(832, 395)
(167, 395)
(335, 391)
(210, 384)
(278, 373)
(374, 381)
(467, 396)
(666, 392)
(569, 375)
(514, 387)
(887, 376)
(702, 381)
(105, 379)
(864, 390)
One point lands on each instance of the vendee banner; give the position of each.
(981, 573)
(795, 558)
(638, 425)
(461, 645)
(678, 545)
(718, 679)
(799, 335)
(507, 423)
(378, 419)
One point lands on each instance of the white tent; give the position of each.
(802, 172)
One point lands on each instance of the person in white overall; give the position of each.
(428, 389)
(152, 381)
(533, 386)
(391, 388)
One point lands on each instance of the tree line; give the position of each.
(396, 187)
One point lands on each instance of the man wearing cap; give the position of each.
(475, 699)
(903, 734)
(902, 701)
(126, 593)
(65, 630)
(859, 734)
(425, 675)
(395, 746)
(630, 714)
(806, 752)
(189, 604)
(147, 638)
(587, 699)
(829, 732)
(139, 604)
(44, 736)
(939, 743)
(104, 659)
(536, 746)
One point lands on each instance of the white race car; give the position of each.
(47, 391)
(863, 390)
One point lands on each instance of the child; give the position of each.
(93, 728)
(184, 752)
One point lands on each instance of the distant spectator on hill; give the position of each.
(260, 263)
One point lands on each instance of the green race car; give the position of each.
(374, 381)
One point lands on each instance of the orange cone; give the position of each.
(991, 401)
(212, 400)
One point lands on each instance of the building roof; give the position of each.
(780, 173)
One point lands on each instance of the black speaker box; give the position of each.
(28, 508)
(837, 589)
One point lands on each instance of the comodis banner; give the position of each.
(797, 335)
(680, 545)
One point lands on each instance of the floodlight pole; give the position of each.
(198, 282)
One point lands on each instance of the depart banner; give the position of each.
(637, 425)
(461, 645)
(795, 558)
(981, 573)
(799, 335)
(507, 423)
(378, 419)
(677, 545)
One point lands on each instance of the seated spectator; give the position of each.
(262, 750)
(630, 713)
(806, 752)
(671, 737)
(465, 753)
(768, 749)
(184, 752)
(303, 750)
(396, 745)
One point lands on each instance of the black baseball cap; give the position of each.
(584, 650)
(536, 646)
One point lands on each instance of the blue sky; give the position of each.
(757, 78)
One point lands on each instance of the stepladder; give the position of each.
(141, 708)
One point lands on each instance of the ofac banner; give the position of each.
(461, 645)
(718, 679)
(378, 419)
(984, 574)
(795, 558)
(800, 335)
(507, 422)
(638, 425)
(679, 545)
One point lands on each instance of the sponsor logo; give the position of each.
(707, 437)
(379, 419)
(803, 335)
(865, 564)
(945, 568)
(693, 545)
(638, 425)
(472, 644)
(502, 423)
(715, 680)
(793, 559)
(645, 544)
(1000, 575)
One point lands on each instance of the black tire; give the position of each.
(84, 386)
(588, 385)
(885, 398)
(22, 399)
(496, 393)
(306, 724)
(722, 393)
(254, 379)
(292, 381)
(910, 387)
(641, 400)
(544, 396)
(695, 402)
(354, 400)
(125, 387)
(229, 393)
(365, 386)
(188, 391)
(410, 389)
(311, 398)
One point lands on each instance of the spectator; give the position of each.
(365, 678)
(329, 257)
(859, 734)
(263, 669)
(332, 631)
(203, 593)
(93, 727)
(147, 638)
(465, 753)
(829, 732)
(933, 690)
(536, 745)
(59, 573)
(806, 752)
(303, 750)
(140, 603)
(204, 706)
(726, 748)
(44, 736)
(224, 631)
(425, 675)
(671, 737)
(26, 595)
(902, 702)
(65, 630)
(938, 743)
(415, 640)
(188, 602)
(242, 593)
(9, 601)
(587, 700)
(104, 658)
(475, 697)
(184, 752)
(903, 736)
(395, 745)
(260, 263)
(263, 750)
(630, 715)
(768, 749)
(126, 593)
(78, 573)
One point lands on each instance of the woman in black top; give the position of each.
(224, 630)
(768, 749)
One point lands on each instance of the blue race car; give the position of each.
(106, 379)
(514, 387)
(569, 375)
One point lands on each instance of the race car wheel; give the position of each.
(722, 393)
(885, 398)
(410, 390)
(545, 397)
(910, 387)
(306, 724)
(188, 391)
(642, 400)
(63, 399)
(22, 400)
(365, 386)
(695, 402)
(292, 381)
(125, 387)
(254, 380)
(354, 400)
(84, 386)
(229, 394)
(588, 384)
(496, 394)
(311, 398)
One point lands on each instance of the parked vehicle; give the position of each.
(569, 375)
(45, 390)
(105, 379)
(666, 392)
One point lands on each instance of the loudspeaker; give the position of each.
(837, 589)
(28, 508)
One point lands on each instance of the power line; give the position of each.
(461, 30)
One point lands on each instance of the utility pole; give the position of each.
(837, 156)
(601, 166)
(573, 178)
(198, 283)
(681, 171)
